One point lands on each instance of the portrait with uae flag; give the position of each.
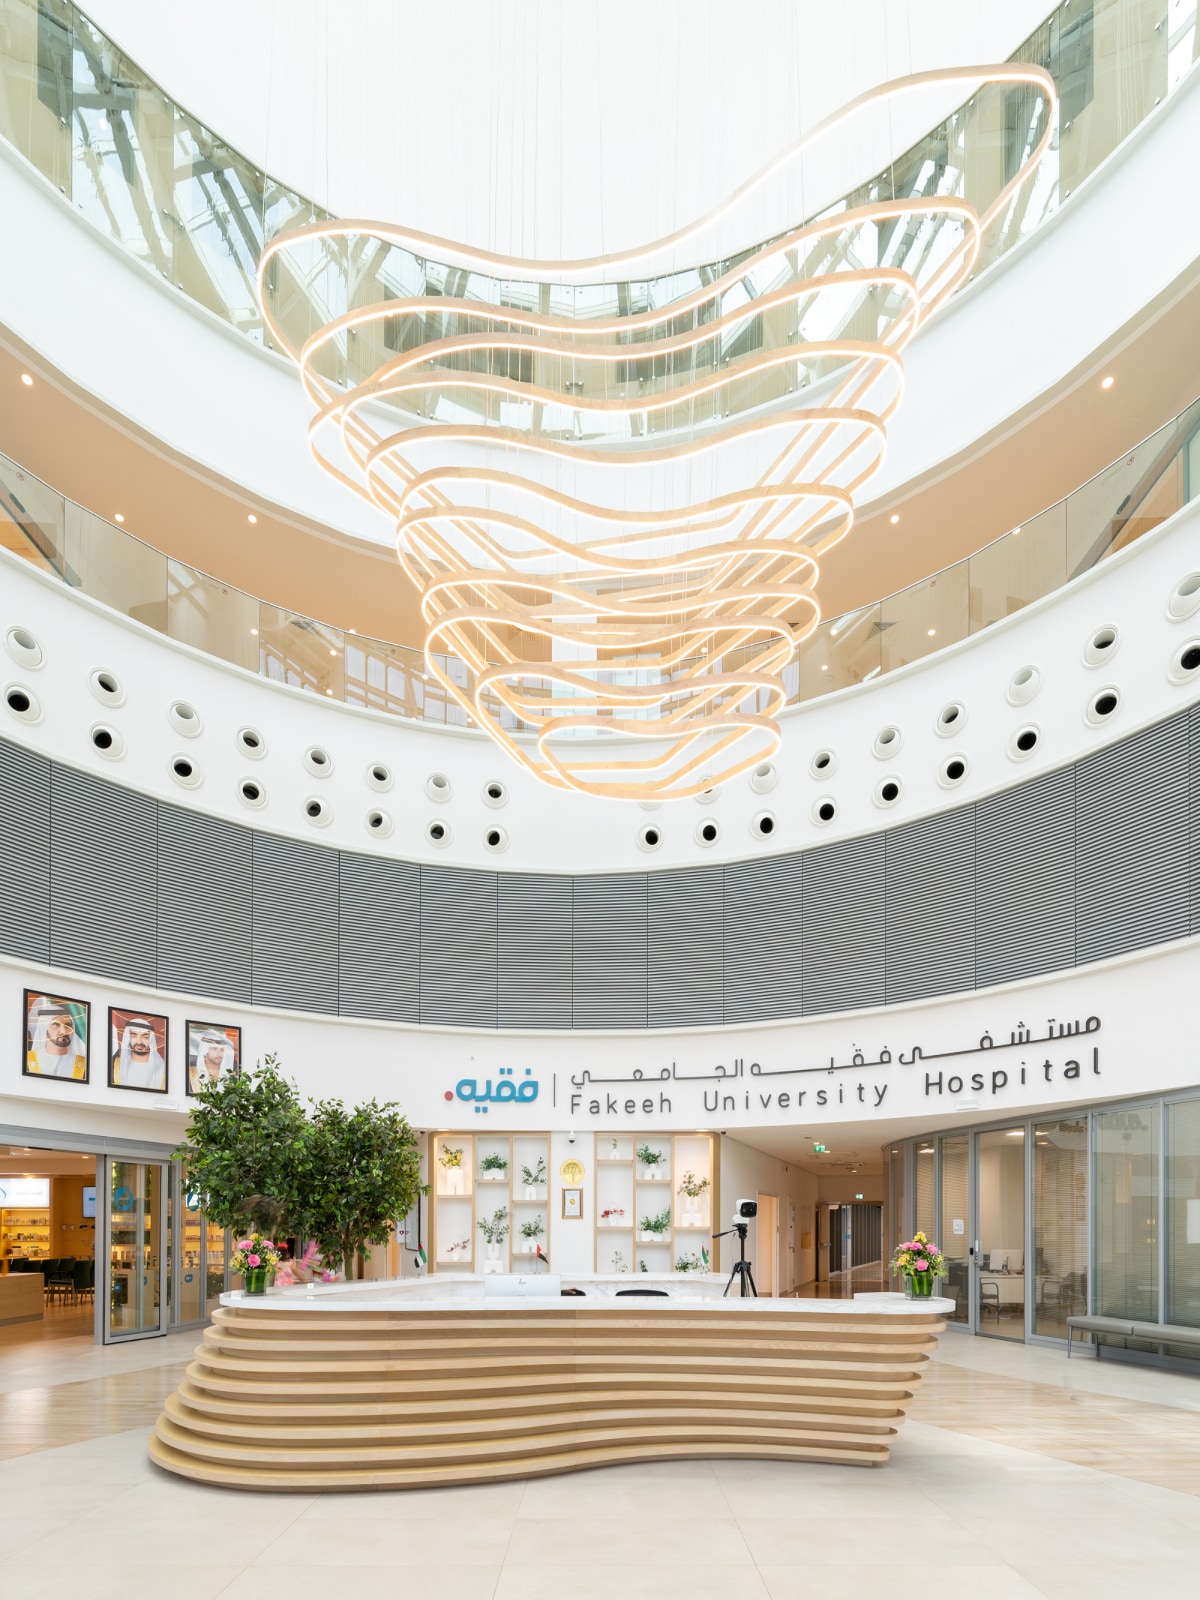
(56, 1037)
(214, 1050)
(137, 1050)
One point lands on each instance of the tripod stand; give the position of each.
(741, 1267)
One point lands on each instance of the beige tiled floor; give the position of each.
(1019, 1477)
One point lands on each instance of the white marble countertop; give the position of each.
(475, 1292)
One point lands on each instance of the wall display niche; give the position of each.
(490, 1201)
(654, 1202)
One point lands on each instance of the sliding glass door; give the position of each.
(134, 1250)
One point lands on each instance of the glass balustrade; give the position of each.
(1126, 500)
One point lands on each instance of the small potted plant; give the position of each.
(495, 1231)
(493, 1168)
(460, 1247)
(254, 1260)
(920, 1264)
(652, 1229)
(531, 1232)
(451, 1161)
(614, 1153)
(689, 1263)
(534, 1178)
(650, 1160)
(612, 1217)
(691, 1188)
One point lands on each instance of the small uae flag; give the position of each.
(704, 1253)
(421, 1256)
(541, 1255)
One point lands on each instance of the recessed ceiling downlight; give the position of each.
(106, 687)
(1023, 742)
(764, 777)
(1184, 599)
(318, 812)
(824, 811)
(1102, 705)
(252, 793)
(887, 742)
(439, 833)
(107, 741)
(707, 833)
(379, 777)
(185, 772)
(649, 838)
(379, 823)
(823, 764)
(764, 825)
(887, 792)
(1185, 663)
(23, 703)
(438, 787)
(24, 648)
(318, 761)
(952, 771)
(1102, 645)
(495, 839)
(951, 719)
(495, 794)
(251, 743)
(1023, 685)
(184, 718)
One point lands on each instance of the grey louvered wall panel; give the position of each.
(1025, 880)
(844, 925)
(295, 935)
(534, 950)
(1194, 814)
(1131, 853)
(103, 878)
(24, 853)
(205, 884)
(379, 938)
(764, 961)
(930, 911)
(609, 951)
(684, 947)
(458, 947)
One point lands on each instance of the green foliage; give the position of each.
(364, 1172)
(532, 1229)
(689, 1263)
(340, 1177)
(245, 1150)
(658, 1224)
(692, 1186)
(649, 1157)
(495, 1228)
(494, 1162)
(532, 1177)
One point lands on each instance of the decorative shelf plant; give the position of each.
(493, 1168)
(534, 1179)
(613, 1217)
(494, 1230)
(450, 1159)
(691, 1188)
(652, 1163)
(655, 1230)
(691, 1262)
(531, 1232)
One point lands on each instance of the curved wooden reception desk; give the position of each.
(409, 1385)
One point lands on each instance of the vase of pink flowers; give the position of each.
(254, 1260)
(920, 1263)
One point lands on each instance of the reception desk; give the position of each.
(21, 1297)
(437, 1381)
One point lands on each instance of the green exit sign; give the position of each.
(858, 1197)
(820, 1149)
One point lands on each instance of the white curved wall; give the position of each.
(545, 827)
(1128, 1017)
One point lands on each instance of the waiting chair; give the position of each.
(989, 1299)
(82, 1283)
(62, 1281)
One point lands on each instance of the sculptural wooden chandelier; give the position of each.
(613, 491)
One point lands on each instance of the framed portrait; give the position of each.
(214, 1050)
(55, 1036)
(137, 1050)
(573, 1204)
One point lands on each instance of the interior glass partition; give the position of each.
(1183, 1213)
(135, 1248)
(925, 1170)
(1060, 1224)
(1000, 1256)
(953, 1231)
(1126, 1182)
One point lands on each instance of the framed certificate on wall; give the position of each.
(573, 1204)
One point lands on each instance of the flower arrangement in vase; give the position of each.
(451, 1161)
(494, 1230)
(689, 1263)
(618, 1262)
(534, 1178)
(494, 1167)
(652, 1229)
(919, 1263)
(691, 1188)
(460, 1247)
(531, 1232)
(253, 1259)
(613, 1216)
(650, 1160)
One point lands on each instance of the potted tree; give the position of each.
(363, 1171)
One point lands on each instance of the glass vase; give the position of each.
(919, 1286)
(256, 1280)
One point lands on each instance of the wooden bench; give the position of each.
(1124, 1328)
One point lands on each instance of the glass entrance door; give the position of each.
(1000, 1250)
(134, 1249)
(953, 1232)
